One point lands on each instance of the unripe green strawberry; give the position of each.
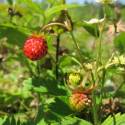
(78, 101)
(74, 79)
(35, 47)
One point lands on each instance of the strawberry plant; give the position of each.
(62, 63)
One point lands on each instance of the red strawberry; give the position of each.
(35, 47)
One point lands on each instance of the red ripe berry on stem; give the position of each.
(35, 47)
(78, 101)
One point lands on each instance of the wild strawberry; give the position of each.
(78, 101)
(35, 47)
(74, 79)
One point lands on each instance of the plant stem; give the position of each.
(57, 56)
(53, 24)
(78, 49)
(103, 81)
(112, 113)
(63, 1)
(100, 49)
(99, 53)
(38, 68)
(120, 86)
(98, 62)
(94, 109)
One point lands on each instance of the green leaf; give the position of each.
(58, 8)
(41, 89)
(110, 13)
(13, 121)
(7, 122)
(57, 109)
(2, 120)
(10, 2)
(119, 119)
(119, 42)
(42, 122)
(93, 28)
(40, 115)
(69, 120)
(13, 34)
(18, 122)
(66, 63)
(27, 86)
(51, 85)
(60, 106)
(33, 6)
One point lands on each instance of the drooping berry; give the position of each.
(35, 47)
(78, 101)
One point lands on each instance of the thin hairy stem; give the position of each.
(78, 49)
(57, 56)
